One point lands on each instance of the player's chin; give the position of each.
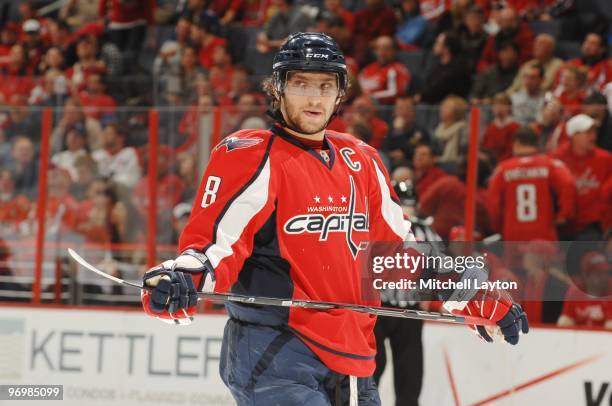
(310, 125)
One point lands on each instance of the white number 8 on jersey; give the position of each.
(526, 208)
(210, 191)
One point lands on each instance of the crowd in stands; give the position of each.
(416, 68)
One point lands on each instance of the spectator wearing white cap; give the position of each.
(32, 42)
(591, 167)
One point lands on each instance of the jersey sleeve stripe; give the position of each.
(391, 211)
(239, 212)
(242, 189)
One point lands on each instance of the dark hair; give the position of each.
(526, 136)
(595, 98)
(451, 41)
(119, 130)
(540, 69)
(507, 44)
(602, 38)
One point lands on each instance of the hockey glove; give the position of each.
(174, 294)
(496, 305)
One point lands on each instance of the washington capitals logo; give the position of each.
(324, 225)
(232, 143)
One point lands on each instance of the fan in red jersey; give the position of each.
(530, 194)
(591, 166)
(586, 303)
(386, 78)
(285, 213)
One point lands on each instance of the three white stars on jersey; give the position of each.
(330, 199)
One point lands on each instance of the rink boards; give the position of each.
(124, 358)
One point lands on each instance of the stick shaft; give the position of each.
(305, 304)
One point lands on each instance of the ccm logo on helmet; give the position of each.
(319, 56)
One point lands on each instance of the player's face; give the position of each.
(309, 99)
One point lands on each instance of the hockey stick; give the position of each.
(307, 304)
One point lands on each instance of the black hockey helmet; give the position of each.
(406, 192)
(309, 51)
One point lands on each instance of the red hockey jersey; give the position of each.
(586, 310)
(591, 172)
(527, 195)
(277, 219)
(385, 82)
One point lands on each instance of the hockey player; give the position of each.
(285, 212)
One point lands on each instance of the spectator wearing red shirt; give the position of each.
(543, 283)
(17, 76)
(530, 194)
(594, 59)
(61, 206)
(229, 11)
(585, 302)
(8, 38)
(127, 25)
(512, 29)
(497, 141)
(206, 42)
(363, 113)
(426, 174)
(14, 207)
(97, 103)
(591, 167)
(386, 78)
(221, 72)
(91, 217)
(87, 64)
(33, 43)
(445, 202)
(570, 91)
(375, 20)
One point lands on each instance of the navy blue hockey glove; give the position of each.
(174, 295)
(510, 326)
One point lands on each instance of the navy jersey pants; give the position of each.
(270, 366)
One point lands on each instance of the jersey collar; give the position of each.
(289, 138)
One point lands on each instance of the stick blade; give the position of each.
(81, 261)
